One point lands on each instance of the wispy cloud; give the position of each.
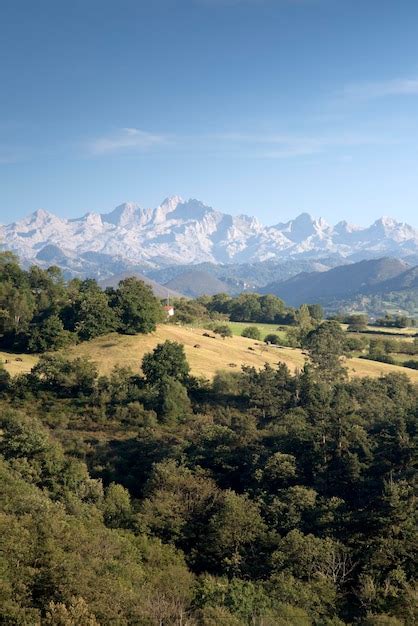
(279, 146)
(229, 144)
(125, 139)
(381, 89)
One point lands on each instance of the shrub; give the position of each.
(411, 364)
(272, 338)
(354, 344)
(167, 360)
(252, 332)
(223, 330)
(381, 358)
(4, 378)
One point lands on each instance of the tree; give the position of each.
(90, 314)
(76, 613)
(326, 346)
(173, 402)
(246, 308)
(117, 509)
(272, 308)
(252, 332)
(4, 378)
(136, 307)
(279, 470)
(167, 360)
(305, 323)
(316, 312)
(48, 335)
(227, 383)
(65, 377)
(178, 503)
(355, 343)
(17, 308)
(268, 390)
(219, 303)
(234, 530)
(356, 323)
(216, 615)
(190, 311)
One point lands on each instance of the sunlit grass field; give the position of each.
(265, 329)
(18, 363)
(206, 355)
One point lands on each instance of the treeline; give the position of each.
(395, 321)
(247, 307)
(260, 498)
(252, 307)
(359, 321)
(39, 311)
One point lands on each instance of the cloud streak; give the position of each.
(279, 146)
(125, 140)
(381, 89)
(233, 144)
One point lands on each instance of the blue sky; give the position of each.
(265, 107)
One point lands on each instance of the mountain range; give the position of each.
(190, 232)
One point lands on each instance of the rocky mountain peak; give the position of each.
(188, 231)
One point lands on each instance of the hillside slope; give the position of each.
(341, 282)
(406, 280)
(160, 291)
(211, 356)
(195, 283)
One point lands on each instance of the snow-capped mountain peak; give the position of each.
(122, 214)
(303, 227)
(188, 231)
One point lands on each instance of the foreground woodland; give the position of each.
(151, 496)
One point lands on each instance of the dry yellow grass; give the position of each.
(374, 369)
(212, 355)
(396, 331)
(23, 365)
(403, 332)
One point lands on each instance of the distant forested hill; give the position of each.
(372, 282)
(195, 283)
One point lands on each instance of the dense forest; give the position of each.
(152, 497)
(39, 311)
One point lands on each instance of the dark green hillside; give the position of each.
(404, 281)
(339, 282)
(160, 291)
(196, 283)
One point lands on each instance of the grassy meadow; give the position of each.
(17, 363)
(265, 329)
(206, 355)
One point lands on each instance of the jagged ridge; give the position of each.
(189, 232)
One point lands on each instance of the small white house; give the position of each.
(169, 310)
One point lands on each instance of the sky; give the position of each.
(264, 107)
